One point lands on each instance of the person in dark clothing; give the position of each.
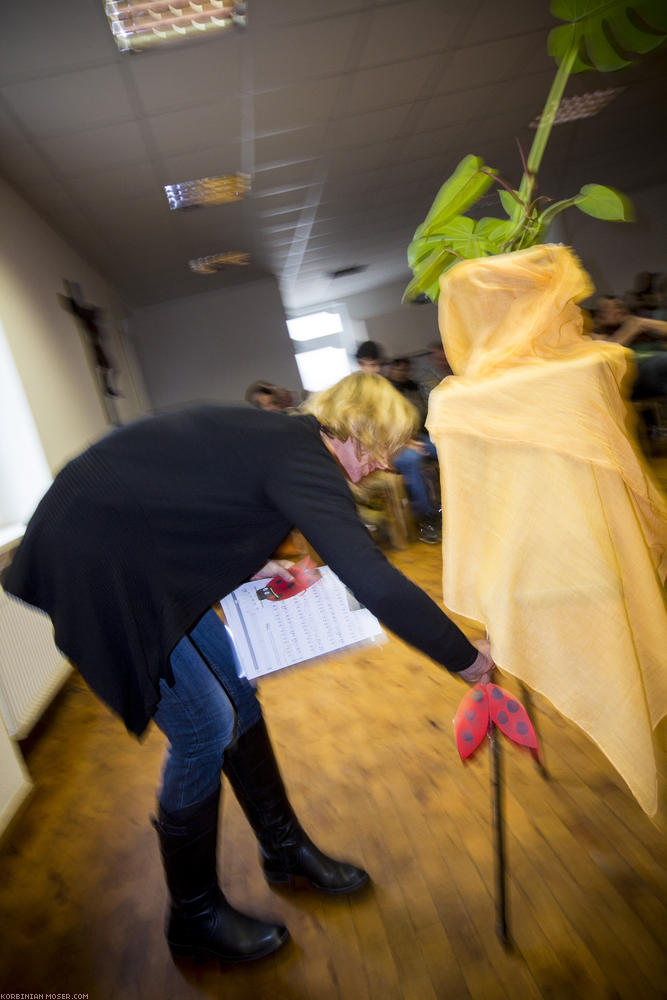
(131, 547)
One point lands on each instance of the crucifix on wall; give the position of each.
(89, 317)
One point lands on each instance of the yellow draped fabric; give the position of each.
(555, 532)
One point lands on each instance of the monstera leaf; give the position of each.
(604, 32)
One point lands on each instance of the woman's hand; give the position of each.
(480, 670)
(275, 567)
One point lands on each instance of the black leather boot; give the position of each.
(201, 921)
(287, 851)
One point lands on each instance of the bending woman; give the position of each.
(135, 541)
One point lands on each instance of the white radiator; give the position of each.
(31, 667)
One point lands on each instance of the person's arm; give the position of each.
(633, 326)
(312, 493)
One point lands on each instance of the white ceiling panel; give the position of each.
(475, 65)
(385, 86)
(25, 165)
(213, 161)
(95, 149)
(194, 73)
(401, 31)
(293, 144)
(37, 39)
(363, 130)
(70, 102)
(291, 107)
(317, 49)
(200, 127)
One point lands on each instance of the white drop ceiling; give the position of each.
(347, 114)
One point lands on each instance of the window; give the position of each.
(320, 348)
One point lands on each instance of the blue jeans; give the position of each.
(410, 465)
(201, 714)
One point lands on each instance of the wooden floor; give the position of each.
(368, 754)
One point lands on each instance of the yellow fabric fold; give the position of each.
(555, 531)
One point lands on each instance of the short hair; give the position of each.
(370, 350)
(367, 407)
(258, 388)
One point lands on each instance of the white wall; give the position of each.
(45, 340)
(210, 347)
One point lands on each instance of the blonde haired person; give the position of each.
(364, 408)
(127, 552)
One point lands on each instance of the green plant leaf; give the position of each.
(604, 203)
(491, 233)
(465, 186)
(604, 32)
(426, 279)
(507, 201)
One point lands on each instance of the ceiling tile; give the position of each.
(275, 204)
(361, 158)
(24, 165)
(295, 144)
(404, 30)
(119, 184)
(385, 86)
(102, 147)
(10, 131)
(56, 42)
(497, 20)
(178, 77)
(285, 12)
(442, 142)
(452, 109)
(196, 128)
(362, 130)
(316, 49)
(286, 176)
(71, 101)
(215, 161)
(290, 107)
(476, 65)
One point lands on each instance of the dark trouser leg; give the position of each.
(287, 851)
(198, 719)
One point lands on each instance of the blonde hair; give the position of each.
(367, 407)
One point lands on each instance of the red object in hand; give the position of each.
(471, 721)
(305, 574)
(511, 717)
(485, 704)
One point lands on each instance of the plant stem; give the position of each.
(546, 123)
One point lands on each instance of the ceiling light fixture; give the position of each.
(581, 106)
(207, 191)
(141, 24)
(219, 262)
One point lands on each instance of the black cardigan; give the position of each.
(143, 532)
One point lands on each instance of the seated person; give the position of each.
(412, 462)
(264, 395)
(612, 320)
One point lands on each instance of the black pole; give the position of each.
(502, 930)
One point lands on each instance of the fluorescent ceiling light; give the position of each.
(141, 24)
(219, 262)
(207, 191)
(571, 109)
